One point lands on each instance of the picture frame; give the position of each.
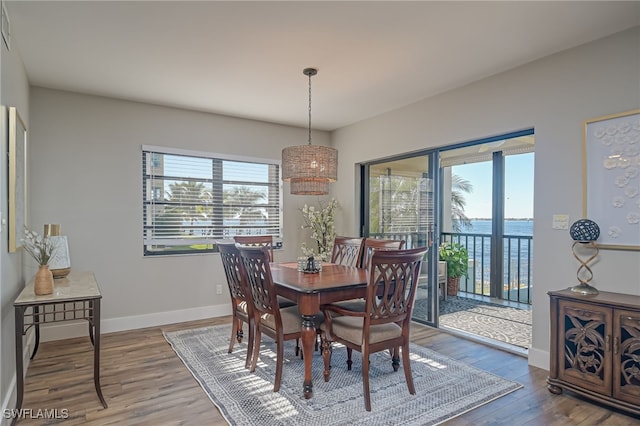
(60, 258)
(611, 178)
(17, 179)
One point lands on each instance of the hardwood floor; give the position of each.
(145, 383)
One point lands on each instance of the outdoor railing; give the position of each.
(517, 282)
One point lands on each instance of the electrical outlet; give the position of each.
(219, 289)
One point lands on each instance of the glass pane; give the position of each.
(518, 227)
(401, 207)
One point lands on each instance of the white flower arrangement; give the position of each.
(39, 247)
(321, 223)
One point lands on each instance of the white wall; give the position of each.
(86, 174)
(553, 95)
(14, 92)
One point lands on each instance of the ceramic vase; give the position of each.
(43, 282)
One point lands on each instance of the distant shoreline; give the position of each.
(506, 218)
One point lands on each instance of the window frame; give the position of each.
(148, 199)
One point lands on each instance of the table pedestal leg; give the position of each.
(308, 342)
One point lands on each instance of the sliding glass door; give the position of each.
(399, 204)
(475, 194)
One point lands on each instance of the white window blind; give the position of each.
(191, 199)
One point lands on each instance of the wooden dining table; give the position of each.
(332, 284)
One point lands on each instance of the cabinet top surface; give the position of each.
(603, 297)
(77, 285)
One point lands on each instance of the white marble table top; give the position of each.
(78, 285)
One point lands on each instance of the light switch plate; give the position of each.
(560, 221)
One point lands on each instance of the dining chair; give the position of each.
(368, 247)
(385, 322)
(347, 251)
(256, 241)
(240, 307)
(280, 324)
(262, 241)
(371, 244)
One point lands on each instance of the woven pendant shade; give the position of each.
(310, 162)
(309, 168)
(309, 187)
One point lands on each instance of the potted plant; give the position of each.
(457, 258)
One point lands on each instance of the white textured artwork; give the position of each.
(612, 149)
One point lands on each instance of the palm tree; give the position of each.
(459, 186)
(242, 202)
(186, 199)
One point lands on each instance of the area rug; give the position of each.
(445, 388)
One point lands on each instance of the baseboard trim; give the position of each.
(539, 358)
(70, 329)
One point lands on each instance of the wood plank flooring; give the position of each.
(145, 383)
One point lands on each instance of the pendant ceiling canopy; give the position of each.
(309, 168)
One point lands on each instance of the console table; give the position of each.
(76, 297)
(595, 347)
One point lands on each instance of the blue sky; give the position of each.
(518, 187)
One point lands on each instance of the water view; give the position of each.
(518, 246)
(511, 226)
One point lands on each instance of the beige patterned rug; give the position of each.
(445, 388)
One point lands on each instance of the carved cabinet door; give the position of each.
(585, 334)
(626, 353)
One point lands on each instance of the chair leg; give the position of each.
(406, 364)
(279, 356)
(349, 362)
(234, 333)
(256, 347)
(239, 333)
(250, 344)
(298, 348)
(365, 380)
(326, 356)
(395, 358)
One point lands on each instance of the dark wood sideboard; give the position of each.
(595, 347)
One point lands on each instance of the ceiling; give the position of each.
(245, 59)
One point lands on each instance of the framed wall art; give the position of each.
(611, 176)
(17, 179)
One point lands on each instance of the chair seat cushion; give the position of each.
(350, 329)
(242, 307)
(291, 320)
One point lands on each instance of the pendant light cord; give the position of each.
(309, 74)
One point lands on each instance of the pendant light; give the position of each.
(309, 168)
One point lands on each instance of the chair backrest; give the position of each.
(371, 244)
(230, 256)
(257, 275)
(391, 285)
(256, 241)
(347, 251)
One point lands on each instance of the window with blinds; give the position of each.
(191, 199)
